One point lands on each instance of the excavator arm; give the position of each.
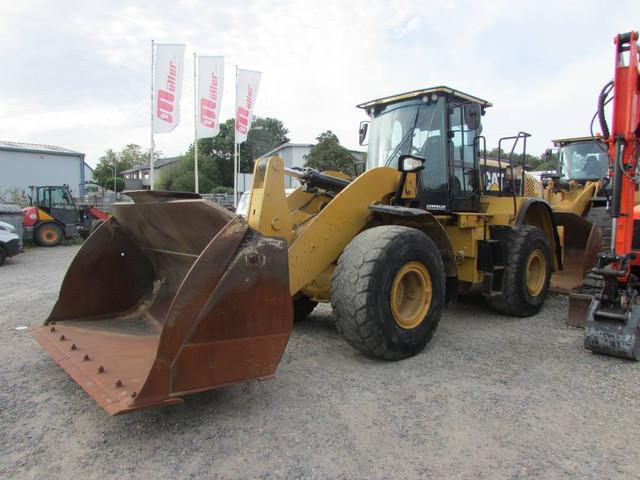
(613, 319)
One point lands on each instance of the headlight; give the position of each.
(33, 216)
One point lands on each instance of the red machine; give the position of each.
(613, 319)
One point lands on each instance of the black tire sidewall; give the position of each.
(302, 308)
(413, 246)
(530, 302)
(3, 256)
(39, 235)
(515, 298)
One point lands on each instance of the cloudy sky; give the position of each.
(76, 74)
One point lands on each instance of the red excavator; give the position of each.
(613, 317)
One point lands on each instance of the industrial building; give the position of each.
(26, 164)
(137, 178)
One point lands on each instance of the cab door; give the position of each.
(463, 155)
(63, 208)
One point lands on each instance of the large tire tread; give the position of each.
(352, 294)
(514, 300)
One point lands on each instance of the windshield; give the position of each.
(583, 161)
(414, 129)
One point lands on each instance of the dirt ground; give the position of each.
(490, 397)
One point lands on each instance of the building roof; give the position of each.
(37, 148)
(422, 92)
(285, 145)
(159, 163)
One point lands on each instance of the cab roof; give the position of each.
(566, 141)
(422, 92)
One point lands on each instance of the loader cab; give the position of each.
(438, 124)
(582, 159)
(57, 202)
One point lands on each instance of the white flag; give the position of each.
(168, 87)
(209, 97)
(246, 94)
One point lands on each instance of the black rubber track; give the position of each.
(601, 217)
(515, 299)
(361, 291)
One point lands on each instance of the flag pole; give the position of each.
(195, 123)
(151, 150)
(235, 148)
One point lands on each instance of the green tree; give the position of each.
(119, 182)
(328, 154)
(532, 162)
(215, 156)
(130, 156)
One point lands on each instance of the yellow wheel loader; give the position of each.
(577, 194)
(174, 295)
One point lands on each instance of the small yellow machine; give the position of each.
(209, 298)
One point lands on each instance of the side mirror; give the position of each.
(410, 163)
(547, 154)
(472, 114)
(362, 132)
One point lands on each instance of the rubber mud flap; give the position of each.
(170, 296)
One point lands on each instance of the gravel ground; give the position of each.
(490, 397)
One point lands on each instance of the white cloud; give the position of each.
(77, 74)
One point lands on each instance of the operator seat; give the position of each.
(592, 168)
(434, 172)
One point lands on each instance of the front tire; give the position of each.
(527, 273)
(49, 235)
(388, 292)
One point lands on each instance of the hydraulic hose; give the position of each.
(602, 100)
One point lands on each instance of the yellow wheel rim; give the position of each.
(536, 272)
(51, 234)
(411, 295)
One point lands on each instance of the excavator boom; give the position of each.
(613, 319)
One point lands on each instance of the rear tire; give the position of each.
(302, 308)
(526, 274)
(388, 292)
(3, 256)
(49, 235)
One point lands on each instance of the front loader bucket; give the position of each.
(170, 296)
(582, 244)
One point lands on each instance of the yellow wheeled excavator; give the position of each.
(174, 295)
